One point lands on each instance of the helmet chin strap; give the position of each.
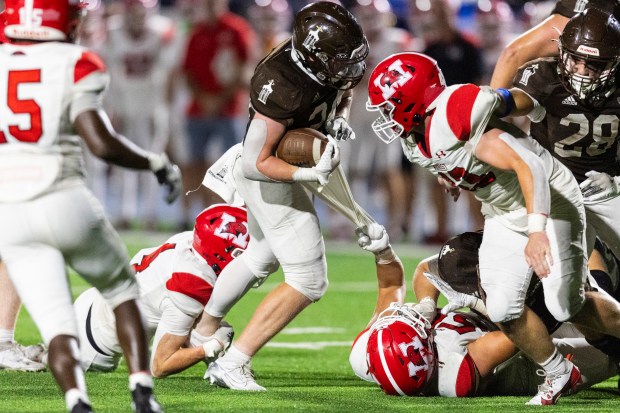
(297, 60)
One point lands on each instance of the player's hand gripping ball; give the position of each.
(302, 147)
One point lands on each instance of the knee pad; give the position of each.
(310, 278)
(500, 310)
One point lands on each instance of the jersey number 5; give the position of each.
(23, 106)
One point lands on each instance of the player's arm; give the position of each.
(490, 350)
(536, 42)
(338, 127)
(391, 279)
(425, 292)
(259, 148)
(502, 151)
(260, 164)
(170, 356)
(422, 287)
(96, 130)
(170, 352)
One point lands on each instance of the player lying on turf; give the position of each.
(176, 280)
(464, 354)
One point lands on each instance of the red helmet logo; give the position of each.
(220, 233)
(390, 80)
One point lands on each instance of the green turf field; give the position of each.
(304, 369)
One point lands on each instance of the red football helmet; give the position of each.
(401, 352)
(42, 20)
(401, 88)
(221, 234)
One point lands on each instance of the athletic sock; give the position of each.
(73, 396)
(142, 378)
(556, 364)
(7, 338)
(234, 356)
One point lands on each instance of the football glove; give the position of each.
(373, 238)
(326, 165)
(599, 186)
(339, 129)
(456, 299)
(167, 174)
(214, 344)
(426, 307)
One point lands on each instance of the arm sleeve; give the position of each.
(542, 193)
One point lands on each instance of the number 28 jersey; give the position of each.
(580, 137)
(43, 87)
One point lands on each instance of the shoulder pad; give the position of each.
(458, 376)
(358, 359)
(188, 292)
(275, 91)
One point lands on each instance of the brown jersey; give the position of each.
(582, 138)
(281, 90)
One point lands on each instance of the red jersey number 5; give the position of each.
(23, 106)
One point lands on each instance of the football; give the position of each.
(302, 147)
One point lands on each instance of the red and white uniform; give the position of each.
(456, 374)
(48, 217)
(139, 67)
(175, 284)
(462, 113)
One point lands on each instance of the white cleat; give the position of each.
(13, 358)
(234, 377)
(555, 386)
(35, 352)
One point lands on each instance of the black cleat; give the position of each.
(82, 407)
(144, 400)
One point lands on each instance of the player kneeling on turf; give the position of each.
(176, 280)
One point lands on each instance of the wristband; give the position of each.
(156, 162)
(536, 222)
(385, 256)
(537, 113)
(305, 175)
(508, 99)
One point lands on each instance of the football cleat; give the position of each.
(13, 358)
(35, 352)
(556, 385)
(144, 400)
(82, 407)
(234, 377)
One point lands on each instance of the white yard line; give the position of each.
(310, 345)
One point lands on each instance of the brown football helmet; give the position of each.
(330, 44)
(592, 38)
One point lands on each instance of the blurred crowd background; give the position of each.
(180, 72)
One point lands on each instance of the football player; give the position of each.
(459, 355)
(534, 214)
(305, 82)
(538, 41)
(176, 280)
(576, 101)
(51, 106)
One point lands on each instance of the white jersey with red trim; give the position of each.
(138, 66)
(173, 271)
(42, 89)
(455, 370)
(461, 116)
(175, 283)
